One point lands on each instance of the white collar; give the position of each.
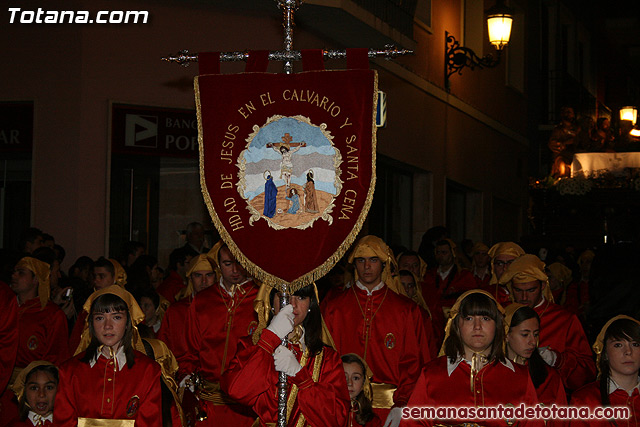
(542, 301)
(233, 288)
(451, 366)
(444, 274)
(613, 386)
(369, 292)
(484, 271)
(35, 418)
(121, 358)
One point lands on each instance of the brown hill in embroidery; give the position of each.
(290, 220)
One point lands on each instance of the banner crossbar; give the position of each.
(184, 58)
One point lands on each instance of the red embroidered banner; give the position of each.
(287, 166)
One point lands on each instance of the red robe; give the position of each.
(500, 293)
(8, 333)
(438, 322)
(42, 335)
(446, 291)
(482, 283)
(552, 391)
(252, 380)
(215, 322)
(589, 396)
(171, 286)
(172, 329)
(390, 336)
(562, 331)
(494, 384)
(577, 297)
(103, 392)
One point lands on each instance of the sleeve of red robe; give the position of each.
(251, 380)
(417, 352)
(8, 333)
(189, 361)
(574, 364)
(588, 396)
(58, 337)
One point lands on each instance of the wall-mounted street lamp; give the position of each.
(629, 113)
(456, 57)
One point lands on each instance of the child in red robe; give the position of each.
(36, 387)
(112, 382)
(317, 393)
(522, 325)
(359, 377)
(617, 349)
(472, 370)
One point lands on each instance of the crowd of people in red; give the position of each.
(118, 343)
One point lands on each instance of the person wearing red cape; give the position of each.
(317, 393)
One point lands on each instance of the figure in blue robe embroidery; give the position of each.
(295, 201)
(270, 192)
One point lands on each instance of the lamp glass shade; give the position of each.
(629, 113)
(499, 26)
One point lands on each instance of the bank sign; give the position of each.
(153, 131)
(16, 127)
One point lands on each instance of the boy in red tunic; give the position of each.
(216, 319)
(446, 281)
(563, 343)
(201, 275)
(376, 320)
(42, 325)
(502, 255)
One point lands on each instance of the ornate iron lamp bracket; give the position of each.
(457, 57)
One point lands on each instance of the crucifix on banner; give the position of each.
(329, 185)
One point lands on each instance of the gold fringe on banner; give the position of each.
(252, 268)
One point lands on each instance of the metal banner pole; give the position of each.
(288, 55)
(282, 379)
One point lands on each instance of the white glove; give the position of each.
(285, 361)
(394, 418)
(548, 355)
(186, 382)
(282, 323)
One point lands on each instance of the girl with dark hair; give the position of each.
(472, 369)
(111, 382)
(35, 387)
(358, 377)
(617, 349)
(523, 330)
(317, 388)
